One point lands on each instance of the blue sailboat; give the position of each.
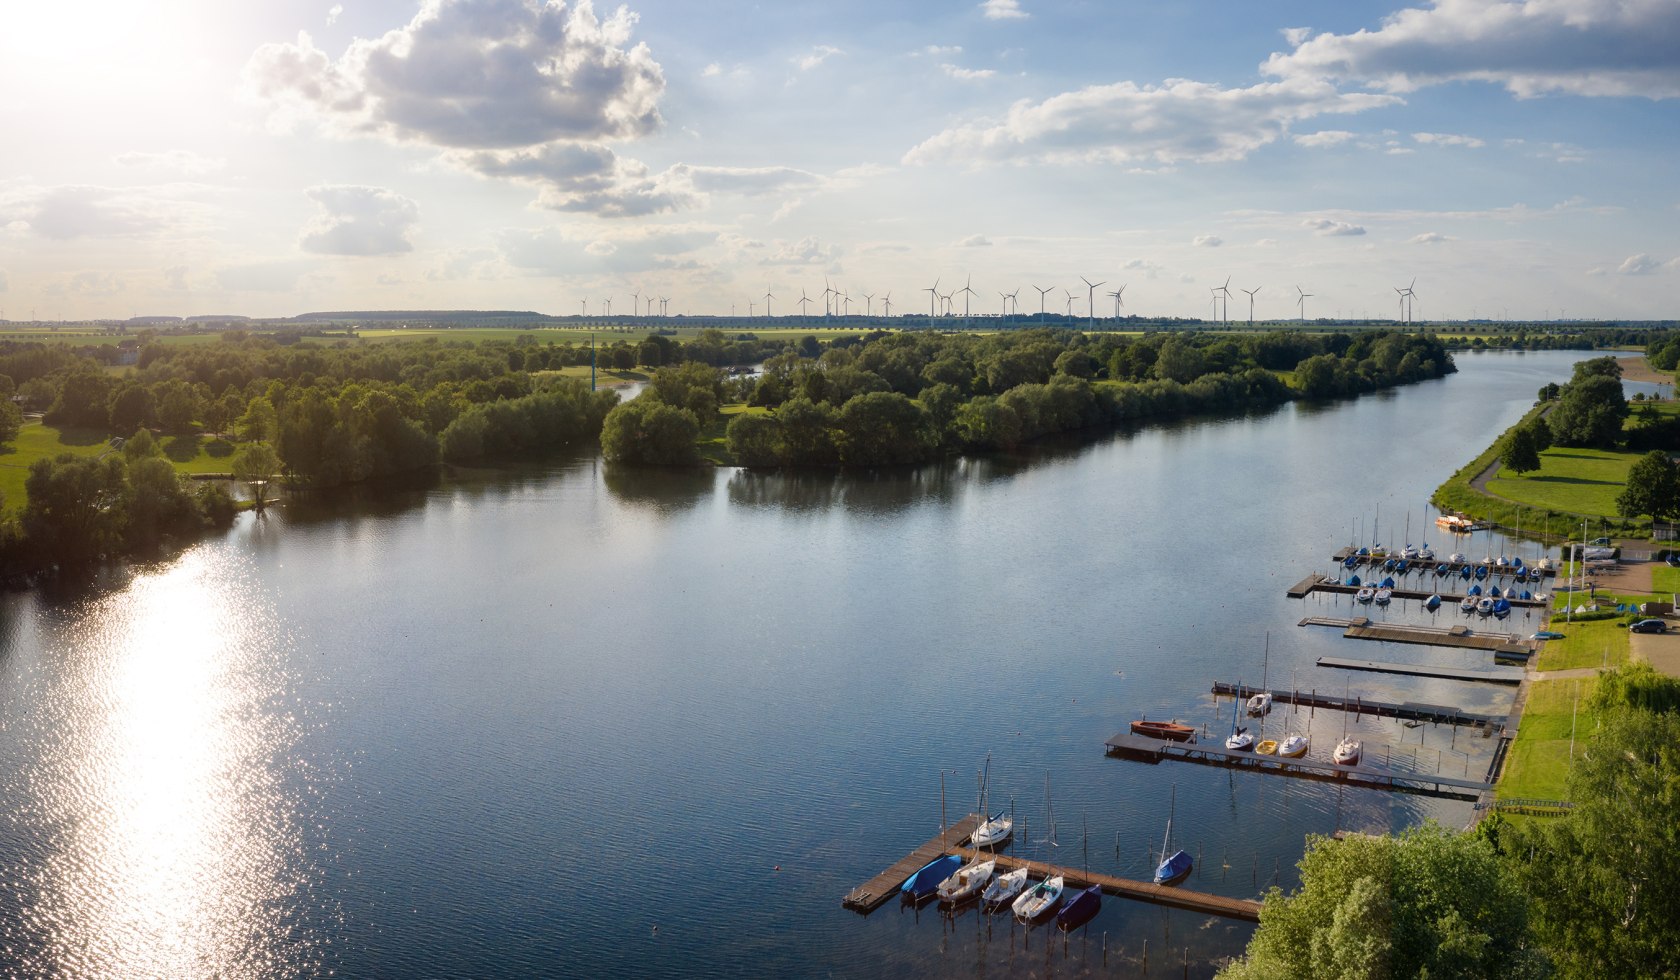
(1175, 868)
(1432, 603)
(926, 879)
(1081, 909)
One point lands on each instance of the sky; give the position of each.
(199, 157)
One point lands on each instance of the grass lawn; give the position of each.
(35, 441)
(1665, 579)
(1538, 764)
(713, 443)
(604, 377)
(1579, 481)
(1584, 645)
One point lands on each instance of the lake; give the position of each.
(572, 720)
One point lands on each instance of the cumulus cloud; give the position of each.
(74, 211)
(941, 50)
(477, 74)
(1531, 47)
(1324, 137)
(1003, 10)
(1266, 243)
(1448, 139)
(333, 13)
(358, 220)
(967, 74)
(179, 161)
(1207, 241)
(1125, 123)
(806, 251)
(975, 241)
(1638, 265)
(818, 55)
(1428, 238)
(1324, 226)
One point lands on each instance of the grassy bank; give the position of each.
(1537, 766)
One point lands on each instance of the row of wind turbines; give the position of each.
(944, 304)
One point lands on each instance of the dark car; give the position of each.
(1601, 541)
(1649, 626)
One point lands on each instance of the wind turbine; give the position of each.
(1411, 296)
(608, 301)
(827, 291)
(846, 309)
(585, 310)
(751, 306)
(933, 295)
(1302, 303)
(1091, 302)
(1015, 301)
(1041, 291)
(1225, 292)
(886, 302)
(869, 304)
(635, 303)
(945, 302)
(1069, 313)
(803, 299)
(768, 296)
(1251, 293)
(967, 281)
(1005, 298)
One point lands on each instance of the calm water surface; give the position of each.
(572, 720)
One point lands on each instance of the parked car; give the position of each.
(1673, 560)
(1649, 626)
(1547, 635)
(1602, 541)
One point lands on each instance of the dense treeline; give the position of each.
(887, 399)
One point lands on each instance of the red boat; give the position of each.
(1164, 729)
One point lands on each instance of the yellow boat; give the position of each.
(1267, 747)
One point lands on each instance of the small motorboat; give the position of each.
(1171, 730)
(1365, 594)
(1037, 900)
(1004, 888)
(1481, 572)
(1468, 603)
(1484, 606)
(1383, 596)
(1080, 909)
(1351, 561)
(1347, 752)
(1501, 608)
(1441, 569)
(1293, 747)
(992, 832)
(1426, 553)
(1408, 552)
(1240, 741)
(1457, 558)
(1432, 603)
(1266, 746)
(966, 882)
(1259, 704)
(926, 880)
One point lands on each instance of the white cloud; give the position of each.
(1531, 47)
(1428, 238)
(1324, 137)
(1327, 227)
(818, 55)
(975, 241)
(1638, 265)
(76, 211)
(712, 70)
(1207, 241)
(967, 74)
(1448, 139)
(807, 251)
(1123, 123)
(94, 283)
(940, 50)
(358, 220)
(1296, 35)
(476, 74)
(1003, 10)
(1267, 243)
(180, 161)
(333, 13)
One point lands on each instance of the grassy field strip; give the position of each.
(1537, 766)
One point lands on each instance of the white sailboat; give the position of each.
(1004, 888)
(1039, 899)
(967, 882)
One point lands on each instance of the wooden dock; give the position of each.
(1319, 582)
(870, 896)
(1155, 750)
(1453, 567)
(1492, 675)
(875, 892)
(1405, 710)
(1507, 646)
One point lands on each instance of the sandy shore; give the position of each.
(1636, 369)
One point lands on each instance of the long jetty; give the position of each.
(1404, 710)
(1153, 750)
(874, 893)
(1453, 567)
(1492, 675)
(1319, 582)
(1505, 646)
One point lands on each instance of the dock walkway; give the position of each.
(1406, 710)
(1507, 646)
(1492, 675)
(874, 893)
(1453, 567)
(1319, 582)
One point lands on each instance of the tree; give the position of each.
(1179, 361)
(646, 430)
(156, 504)
(74, 511)
(754, 440)
(1519, 454)
(132, 408)
(1539, 433)
(1653, 487)
(1430, 902)
(1589, 412)
(884, 428)
(84, 400)
(11, 420)
(179, 408)
(256, 464)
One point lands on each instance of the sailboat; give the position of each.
(1176, 868)
(966, 882)
(995, 830)
(1039, 899)
(1004, 888)
(1080, 909)
(1239, 740)
(1293, 747)
(1348, 750)
(1259, 704)
(926, 880)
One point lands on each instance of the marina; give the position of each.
(874, 893)
(1453, 567)
(1490, 675)
(1423, 784)
(1318, 582)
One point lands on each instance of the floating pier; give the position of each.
(873, 894)
(1417, 783)
(1507, 646)
(1319, 582)
(1453, 567)
(1405, 710)
(1492, 675)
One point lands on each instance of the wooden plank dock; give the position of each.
(1319, 582)
(871, 895)
(1155, 750)
(1405, 710)
(1492, 675)
(1508, 646)
(1453, 567)
(875, 892)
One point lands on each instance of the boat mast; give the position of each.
(1170, 808)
